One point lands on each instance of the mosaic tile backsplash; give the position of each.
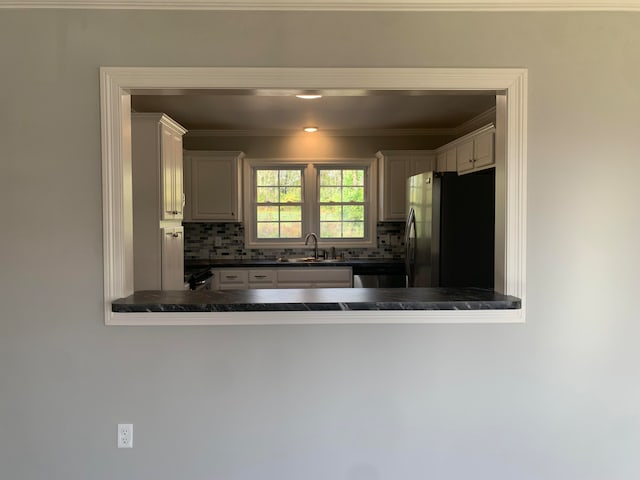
(199, 243)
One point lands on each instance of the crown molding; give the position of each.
(334, 5)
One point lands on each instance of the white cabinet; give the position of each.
(476, 152)
(395, 167)
(284, 277)
(262, 278)
(231, 279)
(213, 186)
(156, 168)
(172, 273)
(446, 160)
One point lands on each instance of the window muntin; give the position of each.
(278, 203)
(342, 203)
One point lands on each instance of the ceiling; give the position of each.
(344, 111)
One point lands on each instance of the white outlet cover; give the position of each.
(125, 435)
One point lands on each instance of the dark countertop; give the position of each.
(360, 266)
(318, 299)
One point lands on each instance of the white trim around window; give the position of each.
(310, 205)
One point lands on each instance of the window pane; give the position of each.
(290, 177)
(353, 177)
(268, 230)
(353, 229)
(267, 177)
(290, 214)
(267, 194)
(330, 177)
(331, 229)
(330, 194)
(353, 194)
(290, 194)
(353, 212)
(290, 230)
(267, 213)
(330, 212)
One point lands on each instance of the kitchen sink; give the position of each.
(308, 260)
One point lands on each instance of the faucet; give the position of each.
(315, 243)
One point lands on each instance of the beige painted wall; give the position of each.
(555, 398)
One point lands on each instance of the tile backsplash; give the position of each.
(199, 243)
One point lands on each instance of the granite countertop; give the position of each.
(319, 299)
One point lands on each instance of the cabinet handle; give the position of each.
(230, 276)
(260, 276)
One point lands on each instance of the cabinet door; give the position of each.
(420, 164)
(464, 154)
(394, 188)
(262, 278)
(172, 258)
(212, 186)
(451, 161)
(483, 150)
(171, 165)
(233, 279)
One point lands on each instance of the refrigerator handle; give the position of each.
(409, 248)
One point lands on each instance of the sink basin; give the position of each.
(308, 260)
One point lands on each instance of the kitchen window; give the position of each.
(278, 210)
(341, 202)
(285, 200)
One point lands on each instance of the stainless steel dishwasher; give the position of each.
(379, 276)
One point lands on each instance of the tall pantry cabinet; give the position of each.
(158, 202)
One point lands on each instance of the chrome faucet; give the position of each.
(315, 243)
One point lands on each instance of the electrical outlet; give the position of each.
(217, 242)
(125, 435)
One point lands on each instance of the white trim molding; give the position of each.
(117, 84)
(336, 5)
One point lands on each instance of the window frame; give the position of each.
(370, 204)
(253, 202)
(310, 210)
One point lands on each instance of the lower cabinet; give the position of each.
(285, 277)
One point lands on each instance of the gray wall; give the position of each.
(555, 398)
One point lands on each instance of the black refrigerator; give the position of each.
(450, 230)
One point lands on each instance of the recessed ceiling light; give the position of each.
(310, 129)
(309, 96)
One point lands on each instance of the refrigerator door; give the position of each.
(410, 247)
(420, 201)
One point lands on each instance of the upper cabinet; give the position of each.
(156, 149)
(468, 154)
(213, 186)
(394, 168)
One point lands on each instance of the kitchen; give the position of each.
(354, 125)
(400, 135)
(409, 145)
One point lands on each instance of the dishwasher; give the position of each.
(385, 276)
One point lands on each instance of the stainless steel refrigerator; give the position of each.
(450, 230)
